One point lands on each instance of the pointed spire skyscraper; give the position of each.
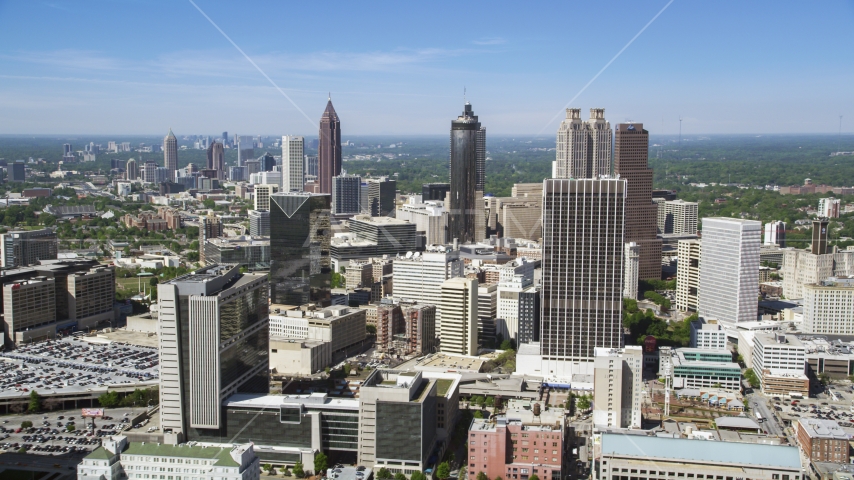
(170, 154)
(329, 148)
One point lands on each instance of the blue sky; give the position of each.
(142, 66)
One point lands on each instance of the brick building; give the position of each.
(822, 440)
(513, 450)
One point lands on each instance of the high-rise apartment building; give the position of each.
(677, 217)
(419, 277)
(210, 227)
(729, 270)
(293, 159)
(631, 149)
(582, 284)
(462, 205)
(329, 148)
(216, 159)
(775, 234)
(245, 149)
(630, 270)
(617, 387)
(514, 318)
(170, 154)
(346, 193)
(381, 196)
(487, 308)
(458, 330)
(214, 341)
(801, 268)
(149, 172)
(583, 149)
(829, 307)
(829, 207)
(262, 196)
(687, 274)
(259, 223)
(131, 171)
(20, 248)
(300, 237)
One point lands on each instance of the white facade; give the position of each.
(458, 332)
(429, 217)
(801, 267)
(420, 277)
(729, 270)
(617, 387)
(283, 325)
(678, 217)
(270, 178)
(293, 177)
(688, 274)
(507, 323)
(779, 353)
(775, 233)
(829, 207)
(262, 196)
(829, 307)
(707, 335)
(630, 270)
(123, 189)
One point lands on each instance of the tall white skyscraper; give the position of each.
(583, 149)
(582, 285)
(293, 176)
(775, 233)
(419, 277)
(630, 271)
(729, 270)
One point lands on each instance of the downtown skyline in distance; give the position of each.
(741, 69)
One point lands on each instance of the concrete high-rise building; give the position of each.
(617, 387)
(775, 234)
(300, 237)
(259, 223)
(677, 216)
(209, 227)
(216, 159)
(583, 149)
(262, 196)
(268, 162)
(170, 154)
(293, 159)
(346, 193)
(829, 307)
(707, 335)
(458, 330)
(582, 279)
(487, 308)
(480, 153)
(419, 277)
(729, 270)
(829, 207)
(631, 149)
(688, 274)
(512, 319)
(381, 196)
(819, 236)
(463, 195)
(149, 172)
(20, 248)
(214, 342)
(131, 171)
(430, 218)
(329, 148)
(311, 168)
(801, 268)
(630, 270)
(245, 149)
(66, 149)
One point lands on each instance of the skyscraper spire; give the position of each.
(170, 154)
(329, 147)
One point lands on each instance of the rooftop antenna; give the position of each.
(464, 95)
(839, 138)
(680, 131)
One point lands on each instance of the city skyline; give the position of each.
(186, 63)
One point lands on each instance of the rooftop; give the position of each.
(680, 449)
(820, 428)
(248, 400)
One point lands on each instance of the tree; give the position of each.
(489, 402)
(371, 329)
(751, 378)
(443, 471)
(499, 478)
(507, 345)
(824, 378)
(399, 476)
(583, 404)
(384, 474)
(417, 476)
(266, 467)
(321, 463)
(534, 477)
(481, 476)
(26, 424)
(70, 427)
(477, 414)
(298, 471)
(109, 399)
(35, 402)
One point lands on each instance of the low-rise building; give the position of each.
(693, 368)
(506, 447)
(823, 440)
(342, 327)
(707, 335)
(779, 361)
(247, 251)
(641, 457)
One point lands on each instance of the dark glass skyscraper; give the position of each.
(329, 148)
(468, 142)
(300, 237)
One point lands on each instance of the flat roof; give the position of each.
(682, 449)
(822, 428)
(737, 422)
(248, 400)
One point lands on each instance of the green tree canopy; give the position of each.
(298, 470)
(384, 474)
(321, 463)
(35, 404)
(443, 471)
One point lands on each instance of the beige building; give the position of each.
(617, 387)
(677, 217)
(359, 274)
(293, 356)
(801, 267)
(829, 307)
(262, 196)
(459, 316)
(342, 327)
(688, 274)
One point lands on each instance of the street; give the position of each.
(759, 404)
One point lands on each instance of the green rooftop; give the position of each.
(442, 386)
(99, 453)
(162, 450)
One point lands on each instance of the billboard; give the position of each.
(92, 412)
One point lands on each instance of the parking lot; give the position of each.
(50, 433)
(73, 365)
(822, 408)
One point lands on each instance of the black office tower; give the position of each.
(819, 236)
(434, 191)
(300, 237)
(466, 136)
